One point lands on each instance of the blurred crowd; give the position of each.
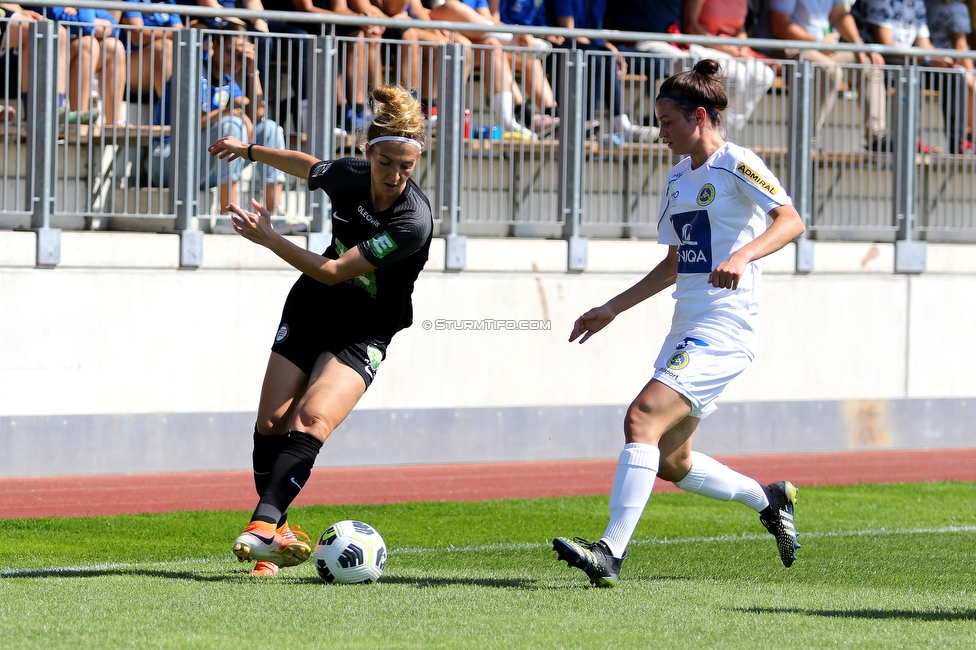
(100, 66)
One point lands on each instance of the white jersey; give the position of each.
(709, 213)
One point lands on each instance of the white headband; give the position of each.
(396, 138)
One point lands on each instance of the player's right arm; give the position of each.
(660, 278)
(295, 163)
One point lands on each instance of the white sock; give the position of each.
(710, 478)
(505, 110)
(632, 485)
(622, 125)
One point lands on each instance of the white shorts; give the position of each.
(699, 370)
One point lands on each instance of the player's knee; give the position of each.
(315, 424)
(639, 424)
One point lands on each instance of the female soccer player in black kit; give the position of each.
(342, 312)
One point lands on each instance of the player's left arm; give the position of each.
(787, 225)
(295, 163)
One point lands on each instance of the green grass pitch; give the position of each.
(891, 566)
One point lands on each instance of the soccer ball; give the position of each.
(350, 552)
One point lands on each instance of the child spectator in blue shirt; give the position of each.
(227, 110)
(94, 50)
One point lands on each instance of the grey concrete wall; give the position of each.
(117, 361)
(94, 444)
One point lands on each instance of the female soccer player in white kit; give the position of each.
(713, 219)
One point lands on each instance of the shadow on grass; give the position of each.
(238, 576)
(498, 583)
(182, 574)
(878, 614)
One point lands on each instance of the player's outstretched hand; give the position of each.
(255, 226)
(228, 148)
(591, 322)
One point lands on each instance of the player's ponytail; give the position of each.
(701, 86)
(396, 112)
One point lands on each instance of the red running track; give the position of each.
(76, 496)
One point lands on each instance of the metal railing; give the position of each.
(68, 166)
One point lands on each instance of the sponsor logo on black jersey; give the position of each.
(382, 245)
(368, 217)
(694, 231)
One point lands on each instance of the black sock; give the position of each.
(288, 475)
(266, 451)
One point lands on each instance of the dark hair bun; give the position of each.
(707, 67)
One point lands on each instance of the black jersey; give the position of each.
(396, 241)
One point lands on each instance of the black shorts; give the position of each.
(314, 320)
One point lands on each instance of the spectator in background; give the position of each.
(256, 25)
(748, 81)
(949, 26)
(530, 13)
(725, 18)
(150, 47)
(222, 113)
(506, 94)
(252, 24)
(94, 52)
(406, 56)
(815, 21)
(604, 83)
(236, 61)
(430, 58)
(899, 23)
(15, 57)
(351, 63)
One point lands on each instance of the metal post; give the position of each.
(42, 141)
(909, 254)
(801, 150)
(321, 135)
(183, 164)
(450, 124)
(573, 74)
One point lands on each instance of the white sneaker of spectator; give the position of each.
(633, 132)
(642, 134)
(519, 130)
